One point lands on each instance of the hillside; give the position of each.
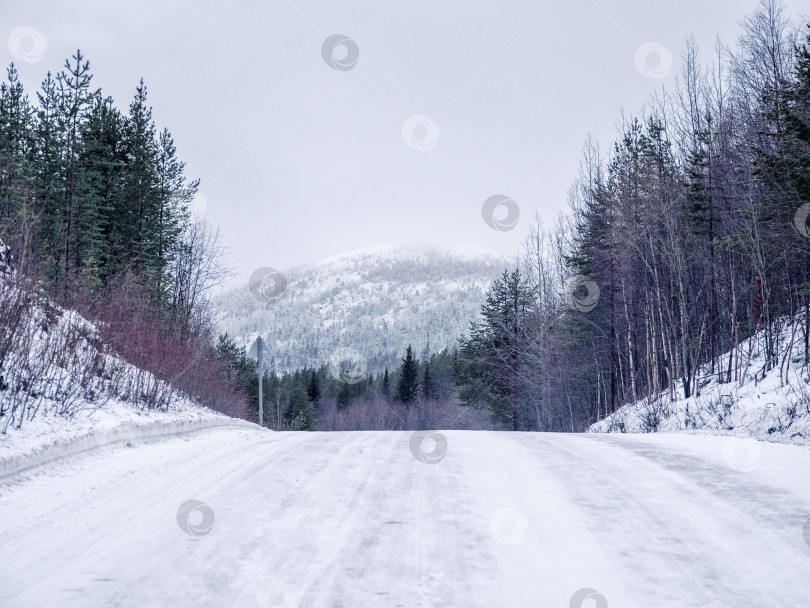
(375, 301)
(64, 390)
(770, 405)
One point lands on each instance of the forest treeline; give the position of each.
(682, 240)
(94, 209)
(416, 394)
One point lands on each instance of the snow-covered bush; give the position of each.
(55, 359)
(652, 414)
(5, 259)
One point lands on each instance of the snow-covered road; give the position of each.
(355, 519)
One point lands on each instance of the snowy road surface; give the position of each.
(356, 520)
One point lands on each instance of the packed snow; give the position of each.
(250, 518)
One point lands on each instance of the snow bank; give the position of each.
(769, 405)
(50, 436)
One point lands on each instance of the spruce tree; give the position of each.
(173, 196)
(386, 384)
(408, 385)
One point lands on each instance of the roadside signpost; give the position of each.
(258, 352)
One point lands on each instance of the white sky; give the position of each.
(299, 161)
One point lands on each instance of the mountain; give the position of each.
(372, 301)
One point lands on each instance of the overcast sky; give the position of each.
(447, 104)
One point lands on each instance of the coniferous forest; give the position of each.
(94, 213)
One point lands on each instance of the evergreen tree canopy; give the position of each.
(299, 412)
(408, 384)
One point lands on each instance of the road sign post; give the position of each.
(261, 373)
(257, 351)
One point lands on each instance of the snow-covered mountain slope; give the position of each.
(249, 518)
(770, 405)
(375, 301)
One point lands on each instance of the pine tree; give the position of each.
(100, 164)
(785, 167)
(139, 216)
(17, 215)
(488, 368)
(49, 188)
(703, 215)
(75, 100)
(408, 385)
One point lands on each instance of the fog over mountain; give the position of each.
(375, 301)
